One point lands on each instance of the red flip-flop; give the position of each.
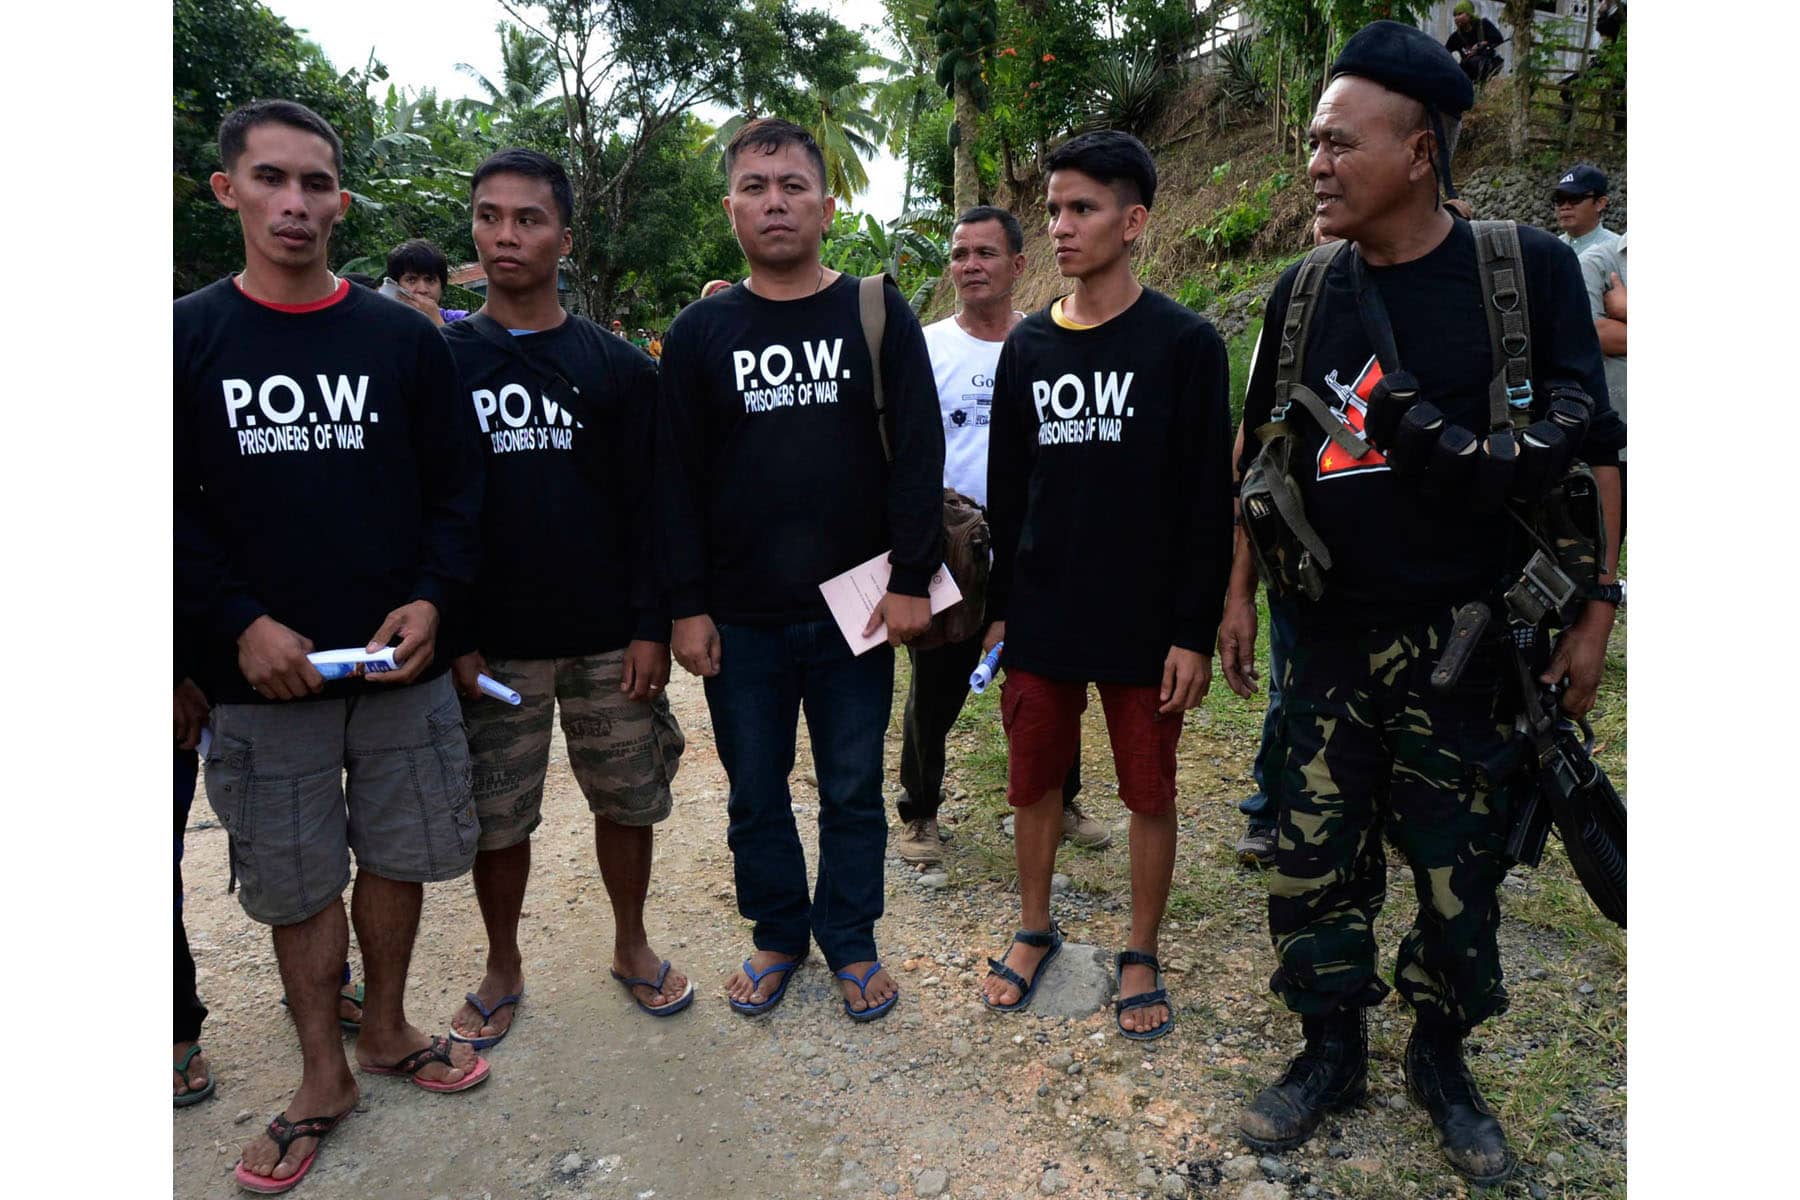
(285, 1133)
(438, 1051)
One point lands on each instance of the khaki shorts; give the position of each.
(623, 752)
(300, 785)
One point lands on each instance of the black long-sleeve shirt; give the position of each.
(770, 476)
(325, 472)
(567, 551)
(1487, 36)
(1399, 553)
(1109, 492)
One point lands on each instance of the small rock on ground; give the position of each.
(1242, 1168)
(931, 1183)
(1077, 984)
(1052, 1183)
(1264, 1190)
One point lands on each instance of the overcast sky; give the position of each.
(421, 45)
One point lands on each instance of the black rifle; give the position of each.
(1567, 788)
(1570, 790)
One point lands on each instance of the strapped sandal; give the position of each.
(1137, 958)
(862, 985)
(439, 1052)
(487, 1014)
(285, 1133)
(193, 1096)
(668, 1010)
(1053, 938)
(756, 977)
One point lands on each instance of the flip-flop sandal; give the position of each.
(1038, 938)
(193, 1096)
(862, 985)
(668, 1010)
(353, 995)
(1129, 958)
(487, 1014)
(756, 977)
(285, 1133)
(438, 1051)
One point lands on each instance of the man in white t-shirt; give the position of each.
(986, 260)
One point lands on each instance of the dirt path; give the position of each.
(591, 1098)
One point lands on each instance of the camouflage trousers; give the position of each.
(1369, 748)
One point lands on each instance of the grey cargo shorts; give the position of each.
(301, 785)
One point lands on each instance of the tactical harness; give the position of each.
(1519, 465)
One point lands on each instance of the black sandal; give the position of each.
(1137, 958)
(1053, 938)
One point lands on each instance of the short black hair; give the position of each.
(238, 123)
(769, 134)
(1112, 156)
(517, 160)
(417, 256)
(1015, 236)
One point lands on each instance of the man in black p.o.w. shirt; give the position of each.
(566, 609)
(1368, 750)
(327, 489)
(771, 479)
(1109, 492)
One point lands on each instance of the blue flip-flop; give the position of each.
(1053, 938)
(667, 1010)
(487, 1014)
(756, 977)
(1160, 995)
(862, 985)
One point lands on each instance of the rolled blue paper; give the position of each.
(984, 674)
(499, 691)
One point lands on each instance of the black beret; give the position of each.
(1407, 60)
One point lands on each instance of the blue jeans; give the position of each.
(767, 672)
(1281, 636)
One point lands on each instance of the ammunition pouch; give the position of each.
(1495, 469)
(1414, 448)
(1392, 397)
(1290, 556)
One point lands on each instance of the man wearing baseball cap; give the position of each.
(1580, 199)
(1369, 752)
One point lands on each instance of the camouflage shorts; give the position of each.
(623, 753)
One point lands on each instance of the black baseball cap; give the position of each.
(1580, 181)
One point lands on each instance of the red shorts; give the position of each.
(1042, 718)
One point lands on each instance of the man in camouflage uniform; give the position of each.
(1367, 747)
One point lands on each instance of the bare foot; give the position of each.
(349, 1007)
(739, 987)
(880, 990)
(197, 1071)
(1135, 980)
(496, 986)
(1024, 960)
(644, 963)
(259, 1154)
(385, 1051)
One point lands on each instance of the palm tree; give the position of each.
(527, 69)
(847, 133)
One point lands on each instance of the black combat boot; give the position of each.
(1440, 1081)
(1332, 1072)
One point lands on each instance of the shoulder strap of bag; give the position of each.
(873, 307)
(1291, 358)
(1509, 323)
(560, 389)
